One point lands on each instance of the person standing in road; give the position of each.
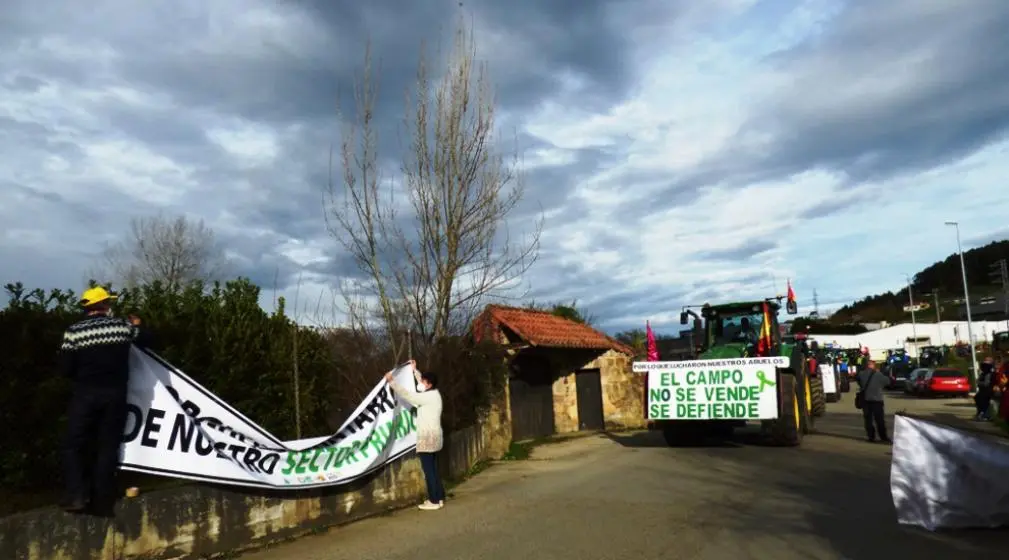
(985, 381)
(1001, 390)
(429, 433)
(95, 355)
(871, 384)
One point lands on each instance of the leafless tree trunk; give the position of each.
(174, 251)
(432, 270)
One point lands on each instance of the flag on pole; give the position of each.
(791, 306)
(765, 341)
(653, 349)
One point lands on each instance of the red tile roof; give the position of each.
(542, 328)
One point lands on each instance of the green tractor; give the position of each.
(1000, 342)
(738, 344)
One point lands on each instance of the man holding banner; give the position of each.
(95, 355)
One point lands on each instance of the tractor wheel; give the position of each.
(787, 430)
(682, 433)
(845, 384)
(800, 369)
(818, 402)
(833, 397)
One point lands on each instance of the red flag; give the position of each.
(653, 349)
(790, 305)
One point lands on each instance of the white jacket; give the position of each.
(428, 405)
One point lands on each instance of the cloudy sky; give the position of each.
(680, 151)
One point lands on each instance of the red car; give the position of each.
(946, 381)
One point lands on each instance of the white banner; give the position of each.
(944, 478)
(177, 428)
(829, 379)
(724, 389)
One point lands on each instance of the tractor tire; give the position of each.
(833, 397)
(682, 433)
(804, 391)
(799, 368)
(845, 384)
(818, 404)
(787, 430)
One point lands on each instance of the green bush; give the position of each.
(221, 337)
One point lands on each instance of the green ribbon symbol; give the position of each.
(764, 381)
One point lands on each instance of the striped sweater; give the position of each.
(96, 351)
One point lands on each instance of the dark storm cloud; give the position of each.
(577, 38)
(946, 105)
(887, 89)
(742, 252)
(831, 206)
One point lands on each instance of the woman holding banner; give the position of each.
(428, 403)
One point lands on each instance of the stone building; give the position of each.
(565, 376)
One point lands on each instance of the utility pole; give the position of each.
(966, 298)
(914, 322)
(1000, 274)
(938, 314)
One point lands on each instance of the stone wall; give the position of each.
(202, 520)
(623, 391)
(565, 404)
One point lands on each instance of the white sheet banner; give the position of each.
(177, 428)
(944, 478)
(829, 379)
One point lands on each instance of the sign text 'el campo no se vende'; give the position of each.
(727, 389)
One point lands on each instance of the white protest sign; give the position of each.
(829, 379)
(724, 389)
(177, 428)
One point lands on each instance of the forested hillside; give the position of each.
(943, 276)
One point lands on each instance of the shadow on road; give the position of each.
(843, 498)
(740, 439)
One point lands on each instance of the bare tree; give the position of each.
(430, 270)
(174, 251)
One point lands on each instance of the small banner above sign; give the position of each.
(177, 428)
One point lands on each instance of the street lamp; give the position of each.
(914, 322)
(966, 297)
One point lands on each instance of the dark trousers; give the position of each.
(875, 420)
(982, 400)
(95, 422)
(435, 489)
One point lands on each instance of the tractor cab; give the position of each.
(1000, 342)
(733, 330)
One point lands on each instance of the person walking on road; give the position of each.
(1001, 390)
(95, 355)
(871, 384)
(428, 403)
(985, 382)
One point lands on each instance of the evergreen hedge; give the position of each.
(221, 337)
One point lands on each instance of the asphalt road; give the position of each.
(629, 496)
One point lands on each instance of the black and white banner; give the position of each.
(177, 428)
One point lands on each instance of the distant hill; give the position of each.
(944, 276)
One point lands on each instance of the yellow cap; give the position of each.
(98, 294)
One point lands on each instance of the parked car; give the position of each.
(913, 383)
(946, 381)
(900, 374)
